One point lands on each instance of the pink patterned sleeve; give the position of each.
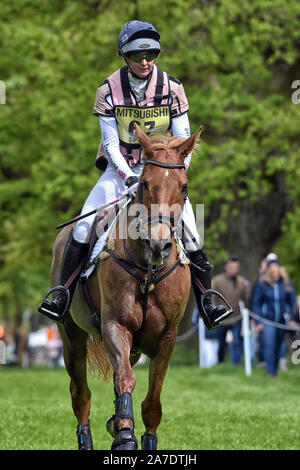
(179, 104)
(102, 106)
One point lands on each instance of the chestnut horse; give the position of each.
(141, 290)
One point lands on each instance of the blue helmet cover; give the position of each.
(136, 29)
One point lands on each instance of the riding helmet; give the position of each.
(137, 36)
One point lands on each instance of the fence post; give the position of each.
(2, 92)
(2, 352)
(201, 340)
(246, 335)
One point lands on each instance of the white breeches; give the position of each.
(110, 187)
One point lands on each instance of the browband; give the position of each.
(165, 164)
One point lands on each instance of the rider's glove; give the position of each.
(132, 184)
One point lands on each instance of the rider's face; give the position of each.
(140, 69)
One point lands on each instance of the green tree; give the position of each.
(237, 60)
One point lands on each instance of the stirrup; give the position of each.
(213, 322)
(45, 304)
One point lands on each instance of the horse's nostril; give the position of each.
(161, 247)
(157, 251)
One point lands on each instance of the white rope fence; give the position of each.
(246, 314)
(187, 334)
(272, 323)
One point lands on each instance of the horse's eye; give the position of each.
(184, 190)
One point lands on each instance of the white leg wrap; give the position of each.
(108, 188)
(192, 240)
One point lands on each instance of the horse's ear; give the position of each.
(145, 142)
(188, 145)
(143, 139)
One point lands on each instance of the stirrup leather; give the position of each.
(44, 306)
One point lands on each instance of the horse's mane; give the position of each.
(166, 142)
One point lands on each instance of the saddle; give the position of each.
(100, 225)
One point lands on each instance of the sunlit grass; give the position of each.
(217, 408)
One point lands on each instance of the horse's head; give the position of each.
(162, 190)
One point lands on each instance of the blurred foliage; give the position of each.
(236, 59)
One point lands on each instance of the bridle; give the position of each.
(152, 275)
(167, 219)
(169, 166)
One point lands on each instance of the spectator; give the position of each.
(282, 355)
(288, 336)
(296, 312)
(273, 297)
(2, 345)
(234, 288)
(211, 342)
(54, 346)
(259, 335)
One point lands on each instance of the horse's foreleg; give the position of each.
(151, 406)
(118, 342)
(75, 349)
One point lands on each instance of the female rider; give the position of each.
(138, 92)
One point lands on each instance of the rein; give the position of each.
(152, 276)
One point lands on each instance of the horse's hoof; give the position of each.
(84, 437)
(125, 440)
(149, 441)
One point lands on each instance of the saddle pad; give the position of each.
(100, 243)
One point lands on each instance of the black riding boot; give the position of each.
(200, 269)
(57, 308)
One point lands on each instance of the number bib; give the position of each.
(151, 119)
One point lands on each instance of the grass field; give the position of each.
(217, 408)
